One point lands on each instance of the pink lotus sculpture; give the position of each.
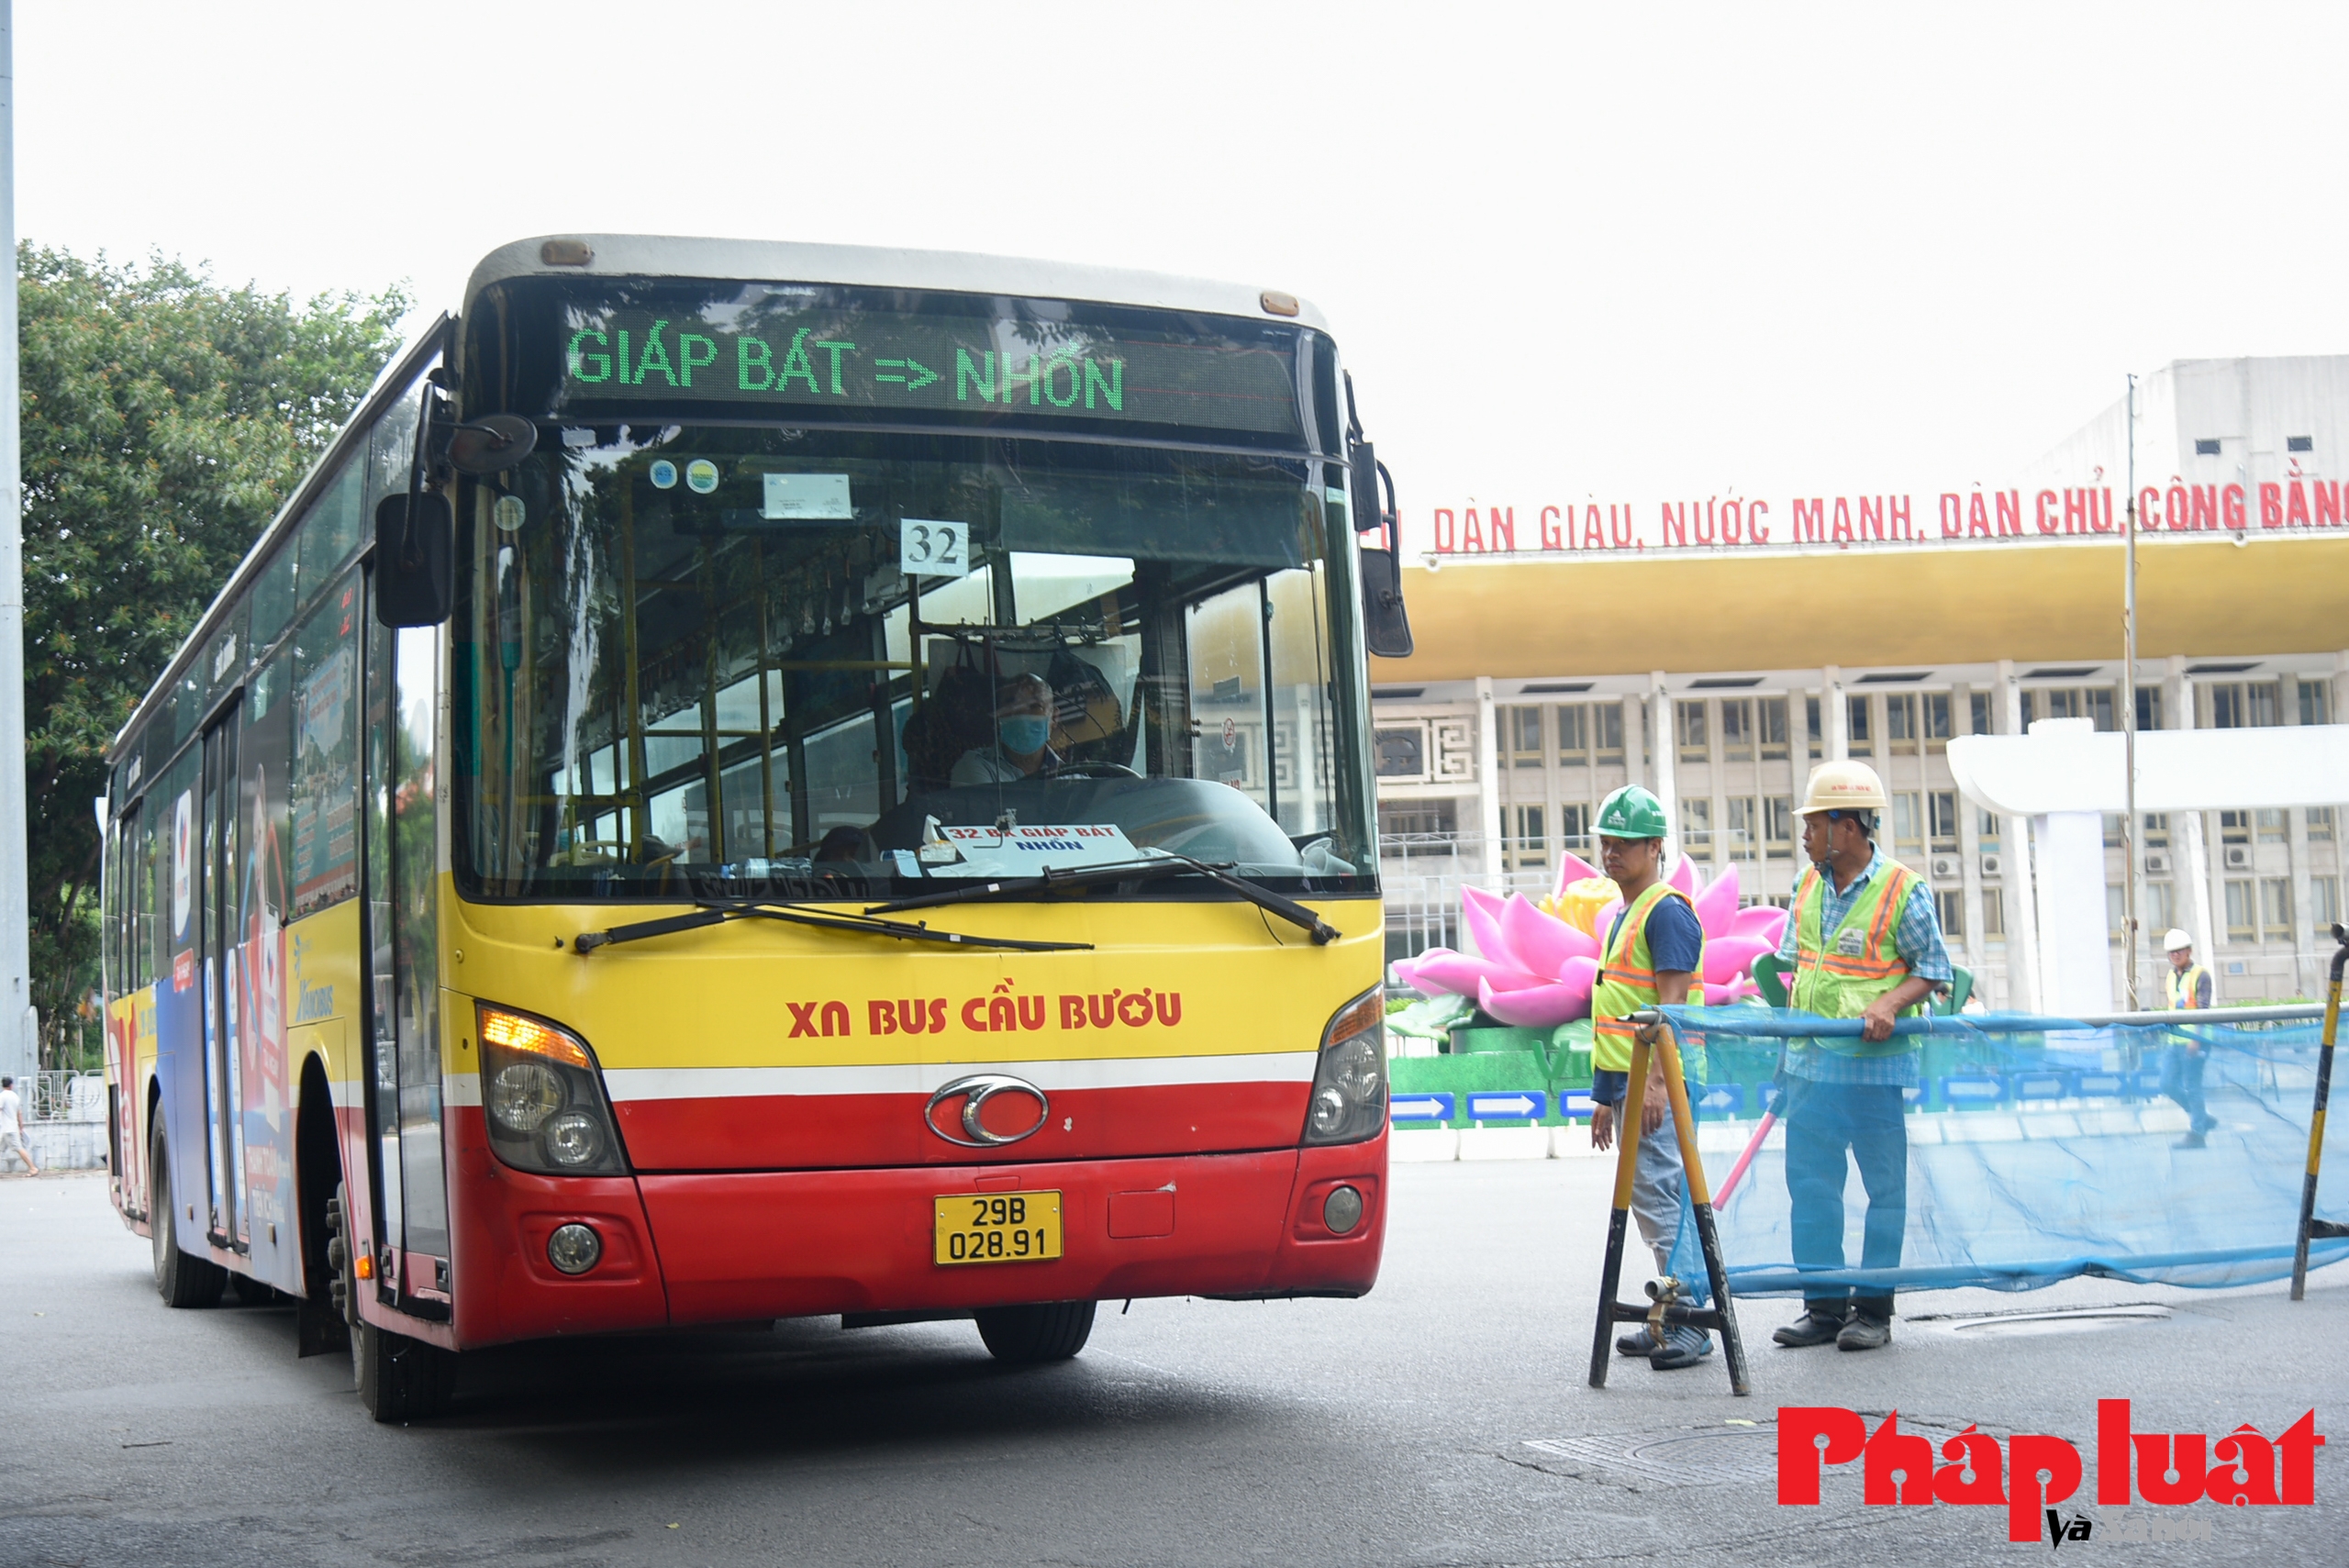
(1537, 969)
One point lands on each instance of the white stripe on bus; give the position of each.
(922, 1078)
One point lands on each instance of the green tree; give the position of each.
(165, 420)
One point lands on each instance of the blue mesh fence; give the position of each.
(2037, 1148)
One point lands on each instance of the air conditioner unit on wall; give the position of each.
(2238, 857)
(1992, 866)
(2157, 863)
(1946, 868)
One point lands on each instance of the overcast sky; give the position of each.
(1566, 250)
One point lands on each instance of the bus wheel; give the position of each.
(1051, 1332)
(399, 1379)
(180, 1280)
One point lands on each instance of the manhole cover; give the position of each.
(2061, 1320)
(1704, 1456)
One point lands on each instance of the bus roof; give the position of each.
(957, 272)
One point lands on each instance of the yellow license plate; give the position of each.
(998, 1228)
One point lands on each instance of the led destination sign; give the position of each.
(781, 350)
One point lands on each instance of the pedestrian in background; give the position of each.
(1651, 956)
(1865, 944)
(12, 1135)
(2188, 984)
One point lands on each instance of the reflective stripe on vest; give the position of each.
(2185, 986)
(1627, 980)
(1840, 984)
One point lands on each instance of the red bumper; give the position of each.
(683, 1250)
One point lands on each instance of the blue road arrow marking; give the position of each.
(1420, 1107)
(1517, 1105)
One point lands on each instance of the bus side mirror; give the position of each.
(1362, 482)
(415, 552)
(1386, 627)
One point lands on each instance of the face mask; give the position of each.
(1023, 733)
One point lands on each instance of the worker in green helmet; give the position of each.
(1650, 956)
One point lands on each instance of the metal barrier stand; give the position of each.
(1664, 1308)
(2311, 1228)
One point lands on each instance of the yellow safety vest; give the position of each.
(2185, 987)
(1627, 984)
(1837, 974)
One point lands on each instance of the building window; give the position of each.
(1521, 737)
(1949, 906)
(2316, 702)
(1980, 702)
(1418, 819)
(1994, 912)
(2300, 443)
(1774, 730)
(2276, 908)
(1696, 829)
(1402, 752)
(1900, 730)
(1743, 841)
(2160, 906)
(1737, 729)
(2320, 824)
(2149, 708)
(2157, 831)
(2242, 923)
(1779, 825)
(1861, 743)
(2324, 902)
(1527, 846)
(1573, 735)
(2206, 446)
(1818, 736)
(2235, 827)
(1937, 720)
(2116, 913)
(1574, 827)
(2029, 710)
(1688, 721)
(2114, 822)
(1907, 822)
(1944, 803)
(1987, 829)
(1607, 732)
(2273, 828)
(2245, 705)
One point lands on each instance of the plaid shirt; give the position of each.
(1918, 939)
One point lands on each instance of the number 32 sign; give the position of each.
(928, 549)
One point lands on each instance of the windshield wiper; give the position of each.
(714, 914)
(1161, 865)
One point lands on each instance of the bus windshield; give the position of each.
(732, 660)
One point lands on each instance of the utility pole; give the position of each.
(20, 1043)
(2128, 706)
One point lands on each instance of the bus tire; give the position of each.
(180, 1280)
(399, 1378)
(1051, 1331)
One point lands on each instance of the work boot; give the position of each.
(1865, 1332)
(1684, 1345)
(1813, 1327)
(1640, 1342)
(2191, 1141)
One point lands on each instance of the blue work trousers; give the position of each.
(2182, 1081)
(1824, 1123)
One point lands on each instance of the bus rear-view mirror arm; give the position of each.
(1386, 627)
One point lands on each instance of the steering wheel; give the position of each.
(1092, 770)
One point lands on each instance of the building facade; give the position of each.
(1719, 673)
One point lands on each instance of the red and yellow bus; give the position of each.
(758, 780)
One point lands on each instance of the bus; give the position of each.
(761, 780)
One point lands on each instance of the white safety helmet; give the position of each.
(1842, 787)
(2176, 942)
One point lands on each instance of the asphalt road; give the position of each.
(1401, 1429)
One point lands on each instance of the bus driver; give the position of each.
(1023, 728)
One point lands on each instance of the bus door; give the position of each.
(402, 1031)
(219, 823)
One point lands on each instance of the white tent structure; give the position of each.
(2065, 776)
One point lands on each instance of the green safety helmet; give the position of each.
(1632, 812)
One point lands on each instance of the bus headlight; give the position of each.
(1349, 1100)
(522, 1096)
(545, 1098)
